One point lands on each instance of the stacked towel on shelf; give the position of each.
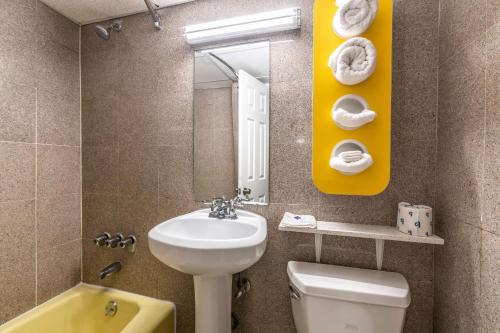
(354, 17)
(353, 61)
(351, 156)
(353, 167)
(298, 221)
(349, 120)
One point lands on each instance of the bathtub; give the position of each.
(82, 310)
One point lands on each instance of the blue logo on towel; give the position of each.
(296, 217)
(402, 220)
(417, 224)
(410, 213)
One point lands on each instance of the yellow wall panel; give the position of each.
(376, 90)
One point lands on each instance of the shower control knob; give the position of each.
(102, 239)
(129, 243)
(114, 241)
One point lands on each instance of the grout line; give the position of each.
(20, 200)
(81, 150)
(490, 232)
(58, 195)
(36, 132)
(19, 142)
(36, 165)
(483, 175)
(436, 161)
(54, 145)
(62, 244)
(483, 170)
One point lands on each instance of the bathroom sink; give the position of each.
(212, 250)
(197, 244)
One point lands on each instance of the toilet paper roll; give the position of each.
(414, 220)
(424, 227)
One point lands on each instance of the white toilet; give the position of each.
(336, 299)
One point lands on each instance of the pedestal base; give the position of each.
(213, 304)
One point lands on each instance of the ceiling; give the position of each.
(252, 58)
(90, 11)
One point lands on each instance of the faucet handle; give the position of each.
(128, 243)
(114, 241)
(215, 202)
(102, 239)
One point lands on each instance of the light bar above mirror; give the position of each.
(243, 26)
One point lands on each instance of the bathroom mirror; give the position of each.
(231, 122)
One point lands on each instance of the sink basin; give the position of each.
(211, 250)
(199, 245)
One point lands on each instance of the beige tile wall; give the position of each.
(40, 186)
(137, 123)
(467, 288)
(213, 149)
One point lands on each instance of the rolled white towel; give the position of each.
(349, 120)
(354, 17)
(348, 168)
(351, 156)
(298, 221)
(353, 61)
(339, 3)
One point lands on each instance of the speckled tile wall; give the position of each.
(467, 288)
(40, 186)
(137, 109)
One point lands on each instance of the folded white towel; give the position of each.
(349, 120)
(351, 156)
(337, 163)
(298, 221)
(354, 17)
(353, 61)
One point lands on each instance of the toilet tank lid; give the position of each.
(350, 284)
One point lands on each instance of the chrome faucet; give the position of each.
(220, 208)
(108, 270)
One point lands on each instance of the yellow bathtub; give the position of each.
(82, 310)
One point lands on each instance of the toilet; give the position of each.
(336, 299)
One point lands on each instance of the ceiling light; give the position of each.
(242, 26)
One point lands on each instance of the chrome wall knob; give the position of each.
(129, 243)
(114, 241)
(102, 239)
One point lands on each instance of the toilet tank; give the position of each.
(336, 299)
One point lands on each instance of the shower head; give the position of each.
(105, 33)
(102, 32)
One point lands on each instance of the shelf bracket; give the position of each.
(379, 244)
(318, 242)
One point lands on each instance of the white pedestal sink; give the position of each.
(211, 250)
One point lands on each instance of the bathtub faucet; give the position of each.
(108, 270)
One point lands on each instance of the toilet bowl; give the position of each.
(336, 299)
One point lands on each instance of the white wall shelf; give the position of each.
(378, 232)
